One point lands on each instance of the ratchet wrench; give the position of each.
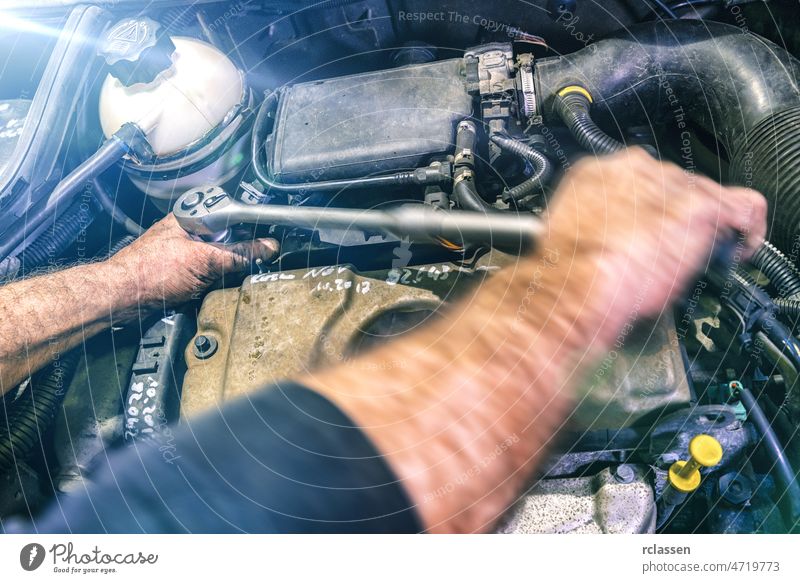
(210, 212)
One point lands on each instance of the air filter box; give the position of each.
(368, 123)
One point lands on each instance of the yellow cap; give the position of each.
(705, 451)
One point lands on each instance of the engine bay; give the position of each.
(340, 128)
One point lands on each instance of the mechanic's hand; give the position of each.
(632, 234)
(171, 267)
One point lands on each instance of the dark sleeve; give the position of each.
(283, 460)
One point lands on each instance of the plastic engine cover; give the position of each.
(369, 123)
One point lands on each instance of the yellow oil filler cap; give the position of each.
(704, 451)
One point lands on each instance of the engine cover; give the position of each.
(281, 324)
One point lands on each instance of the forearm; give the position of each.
(44, 316)
(465, 423)
(487, 389)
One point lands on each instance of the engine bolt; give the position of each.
(205, 346)
(624, 474)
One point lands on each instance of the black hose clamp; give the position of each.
(135, 142)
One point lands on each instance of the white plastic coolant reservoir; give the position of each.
(187, 97)
(182, 104)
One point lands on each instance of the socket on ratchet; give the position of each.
(210, 212)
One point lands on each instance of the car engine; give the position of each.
(324, 124)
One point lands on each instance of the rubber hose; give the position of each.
(573, 109)
(119, 217)
(733, 84)
(783, 471)
(468, 199)
(29, 416)
(109, 152)
(542, 168)
(55, 240)
(783, 338)
(782, 273)
(99, 190)
(106, 155)
(466, 138)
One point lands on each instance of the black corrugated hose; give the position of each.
(782, 273)
(120, 245)
(788, 307)
(54, 241)
(27, 417)
(542, 168)
(573, 109)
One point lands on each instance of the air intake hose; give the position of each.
(733, 84)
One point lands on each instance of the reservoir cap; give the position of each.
(136, 50)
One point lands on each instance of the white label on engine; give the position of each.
(267, 277)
